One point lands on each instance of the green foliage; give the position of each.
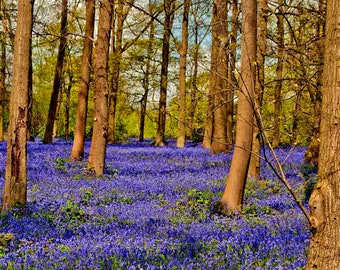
(195, 206)
(5, 240)
(72, 213)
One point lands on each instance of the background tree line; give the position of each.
(289, 99)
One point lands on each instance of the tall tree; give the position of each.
(312, 153)
(219, 76)
(263, 10)
(183, 50)
(325, 201)
(3, 53)
(279, 75)
(232, 198)
(147, 74)
(48, 135)
(15, 190)
(169, 10)
(79, 137)
(100, 126)
(121, 12)
(215, 135)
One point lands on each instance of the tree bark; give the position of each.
(279, 76)
(325, 201)
(312, 153)
(232, 198)
(48, 135)
(254, 166)
(80, 130)
(100, 125)
(219, 76)
(182, 75)
(2, 72)
(15, 190)
(147, 76)
(117, 50)
(169, 9)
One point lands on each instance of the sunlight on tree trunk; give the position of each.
(48, 135)
(325, 201)
(100, 125)
(232, 198)
(182, 75)
(15, 190)
(263, 10)
(279, 76)
(80, 130)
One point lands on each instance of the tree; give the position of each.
(147, 74)
(263, 10)
(232, 198)
(100, 126)
(15, 190)
(220, 101)
(169, 10)
(183, 50)
(2, 71)
(121, 12)
(79, 137)
(325, 201)
(279, 75)
(48, 135)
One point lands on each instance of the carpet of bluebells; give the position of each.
(153, 209)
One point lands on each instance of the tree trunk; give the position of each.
(147, 76)
(219, 76)
(312, 153)
(100, 125)
(194, 88)
(254, 166)
(232, 81)
(48, 135)
(279, 76)
(2, 74)
(15, 190)
(67, 106)
(233, 195)
(182, 75)
(325, 201)
(169, 9)
(117, 50)
(79, 137)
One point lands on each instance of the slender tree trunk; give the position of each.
(169, 8)
(67, 106)
(325, 201)
(312, 153)
(194, 88)
(3, 44)
(117, 50)
(2, 79)
(232, 81)
(79, 137)
(233, 195)
(182, 75)
(100, 125)
(219, 76)
(48, 135)
(279, 76)
(15, 190)
(147, 76)
(263, 10)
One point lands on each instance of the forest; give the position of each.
(167, 134)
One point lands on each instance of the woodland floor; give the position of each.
(153, 209)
